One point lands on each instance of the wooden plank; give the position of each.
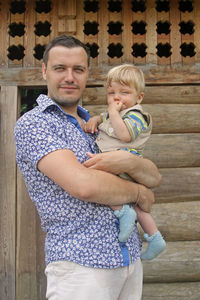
(127, 37)
(29, 38)
(181, 94)
(197, 29)
(174, 118)
(174, 220)
(178, 185)
(167, 118)
(187, 38)
(103, 39)
(31, 281)
(4, 37)
(180, 262)
(171, 291)
(175, 36)
(17, 40)
(26, 287)
(186, 94)
(153, 75)
(9, 97)
(163, 38)
(151, 35)
(174, 150)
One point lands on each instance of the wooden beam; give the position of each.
(9, 95)
(180, 262)
(171, 291)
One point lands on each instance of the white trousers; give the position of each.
(70, 281)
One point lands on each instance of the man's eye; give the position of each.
(78, 70)
(59, 68)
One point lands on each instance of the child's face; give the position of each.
(128, 96)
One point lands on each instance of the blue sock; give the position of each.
(156, 245)
(127, 217)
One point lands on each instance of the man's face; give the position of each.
(66, 74)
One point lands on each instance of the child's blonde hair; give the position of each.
(127, 74)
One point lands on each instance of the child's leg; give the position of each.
(156, 243)
(127, 217)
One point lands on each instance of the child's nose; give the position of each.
(116, 97)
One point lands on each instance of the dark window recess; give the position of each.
(185, 6)
(16, 52)
(164, 50)
(115, 28)
(139, 50)
(138, 27)
(163, 27)
(187, 49)
(138, 5)
(91, 28)
(17, 7)
(42, 28)
(114, 6)
(187, 27)
(93, 49)
(162, 5)
(39, 51)
(91, 6)
(16, 29)
(43, 6)
(115, 50)
(28, 99)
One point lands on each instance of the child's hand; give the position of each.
(115, 106)
(92, 124)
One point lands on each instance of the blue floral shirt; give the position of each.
(77, 231)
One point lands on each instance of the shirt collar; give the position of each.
(45, 102)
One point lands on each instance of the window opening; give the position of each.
(185, 5)
(163, 27)
(115, 6)
(138, 5)
(39, 51)
(43, 6)
(139, 50)
(93, 49)
(187, 49)
(16, 52)
(91, 28)
(42, 28)
(115, 50)
(164, 50)
(187, 27)
(162, 5)
(16, 29)
(17, 7)
(91, 6)
(138, 27)
(115, 28)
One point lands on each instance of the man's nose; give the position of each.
(69, 76)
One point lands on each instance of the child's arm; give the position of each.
(118, 124)
(92, 124)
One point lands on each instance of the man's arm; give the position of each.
(140, 169)
(91, 185)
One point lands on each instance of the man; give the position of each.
(84, 258)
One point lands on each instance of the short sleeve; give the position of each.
(36, 139)
(135, 123)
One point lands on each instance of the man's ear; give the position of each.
(140, 98)
(44, 71)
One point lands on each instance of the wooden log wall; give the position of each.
(172, 96)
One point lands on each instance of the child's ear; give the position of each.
(140, 98)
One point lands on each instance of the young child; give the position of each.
(127, 127)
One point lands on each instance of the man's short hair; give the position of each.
(65, 41)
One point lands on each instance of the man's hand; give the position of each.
(145, 198)
(112, 162)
